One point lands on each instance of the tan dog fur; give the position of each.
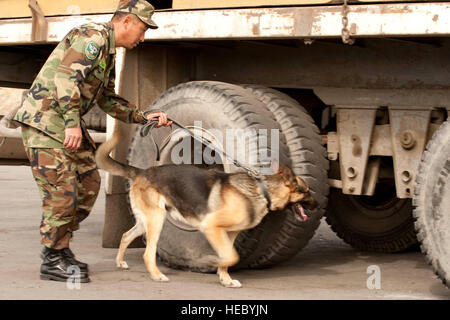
(233, 202)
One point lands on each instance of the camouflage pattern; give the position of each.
(68, 183)
(141, 8)
(79, 73)
(33, 137)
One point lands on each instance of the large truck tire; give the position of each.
(378, 223)
(95, 119)
(432, 202)
(308, 157)
(219, 106)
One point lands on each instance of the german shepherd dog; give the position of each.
(218, 204)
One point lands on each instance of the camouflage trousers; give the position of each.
(68, 183)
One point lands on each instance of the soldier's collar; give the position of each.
(112, 41)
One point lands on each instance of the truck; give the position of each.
(358, 92)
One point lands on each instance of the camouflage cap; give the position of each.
(141, 8)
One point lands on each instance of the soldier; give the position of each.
(79, 73)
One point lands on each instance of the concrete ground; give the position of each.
(326, 269)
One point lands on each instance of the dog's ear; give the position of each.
(302, 185)
(287, 174)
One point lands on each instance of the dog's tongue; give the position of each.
(301, 212)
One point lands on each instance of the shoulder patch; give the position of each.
(92, 50)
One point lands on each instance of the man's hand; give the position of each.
(161, 117)
(73, 138)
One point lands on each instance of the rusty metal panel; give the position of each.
(204, 4)
(19, 31)
(415, 19)
(315, 21)
(366, 1)
(19, 8)
(199, 4)
(14, 9)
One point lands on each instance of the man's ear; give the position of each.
(127, 21)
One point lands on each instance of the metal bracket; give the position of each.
(345, 33)
(354, 128)
(409, 130)
(39, 28)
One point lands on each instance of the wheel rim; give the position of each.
(383, 204)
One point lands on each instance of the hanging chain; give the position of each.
(345, 32)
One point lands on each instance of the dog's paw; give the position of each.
(122, 265)
(231, 284)
(160, 277)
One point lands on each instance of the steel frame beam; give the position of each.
(365, 20)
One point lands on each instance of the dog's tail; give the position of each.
(105, 162)
(6, 121)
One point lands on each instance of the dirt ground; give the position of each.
(326, 269)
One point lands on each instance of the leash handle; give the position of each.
(147, 127)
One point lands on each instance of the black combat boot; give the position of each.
(69, 256)
(55, 267)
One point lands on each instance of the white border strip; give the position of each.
(420, 19)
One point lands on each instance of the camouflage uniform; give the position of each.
(68, 183)
(78, 74)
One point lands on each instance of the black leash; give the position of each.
(149, 125)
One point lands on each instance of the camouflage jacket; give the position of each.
(79, 73)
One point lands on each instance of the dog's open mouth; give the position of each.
(300, 213)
